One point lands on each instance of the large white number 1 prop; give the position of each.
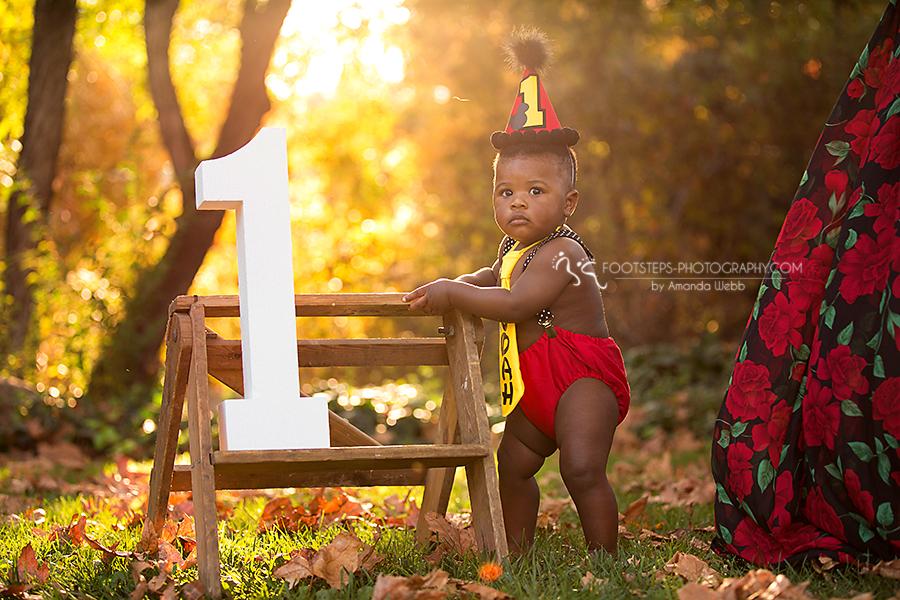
(272, 415)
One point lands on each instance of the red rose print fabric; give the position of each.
(806, 456)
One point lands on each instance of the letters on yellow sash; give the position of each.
(511, 385)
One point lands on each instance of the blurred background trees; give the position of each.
(697, 118)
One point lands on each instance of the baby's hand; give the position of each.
(432, 298)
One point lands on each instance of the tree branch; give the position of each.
(157, 30)
(130, 360)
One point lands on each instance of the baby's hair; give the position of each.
(563, 156)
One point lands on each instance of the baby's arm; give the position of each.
(483, 277)
(535, 290)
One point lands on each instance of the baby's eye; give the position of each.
(506, 193)
(536, 190)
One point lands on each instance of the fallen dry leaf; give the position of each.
(35, 515)
(75, 534)
(186, 528)
(655, 539)
(450, 537)
(889, 569)
(551, 510)
(368, 558)
(181, 508)
(17, 591)
(169, 531)
(323, 511)
(138, 567)
(400, 513)
(140, 590)
(439, 525)
(437, 556)
(29, 569)
(591, 581)
(279, 513)
(700, 545)
(333, 562)
(484, 592)
(758, 585)
(635, 509)
(693, 569)
(337, 561)
(169, 557)
(149, 539)
(686, 492)
(140, 582)
(824, 563)
(782, 588)
(294, 570)
(170, 592)
(193, 590)
(394, 505)
(757, 581)
(695, 591)
(158, 581)
(434, 586)
(392, 587)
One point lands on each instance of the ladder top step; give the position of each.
(307, 305)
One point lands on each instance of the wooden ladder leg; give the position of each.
(484, 490)
(178, 357)
(202, 471)
(439, 481)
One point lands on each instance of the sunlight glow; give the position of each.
(324, 36)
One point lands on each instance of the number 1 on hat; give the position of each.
(528, 90)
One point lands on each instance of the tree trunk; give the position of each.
(51, 56)
(130, 359)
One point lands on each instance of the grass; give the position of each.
(556, 567)
(656, 455)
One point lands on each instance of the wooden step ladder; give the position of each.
(194, 352)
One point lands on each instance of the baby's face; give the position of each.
(531, 198)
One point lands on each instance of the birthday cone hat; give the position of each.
(532, 119)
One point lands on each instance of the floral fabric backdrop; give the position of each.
(806, 455)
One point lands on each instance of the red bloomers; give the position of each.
(551, 365)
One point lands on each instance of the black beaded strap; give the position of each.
(545, 317)
(509, 243)
(505, 246)
(561, 232)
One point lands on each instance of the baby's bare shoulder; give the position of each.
(559, 252)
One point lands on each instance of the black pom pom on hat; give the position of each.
(528, 48)
(532, 119)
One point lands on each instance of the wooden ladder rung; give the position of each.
(224, 354)
(227, 478)
(352, 466)
(352, 458)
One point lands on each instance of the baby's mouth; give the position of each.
(518, 218)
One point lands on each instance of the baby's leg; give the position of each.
(521, 453)
(586, 420)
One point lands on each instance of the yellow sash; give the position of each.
(511, 385)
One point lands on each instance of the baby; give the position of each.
(563, 380)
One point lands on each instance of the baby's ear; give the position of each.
(571, 202)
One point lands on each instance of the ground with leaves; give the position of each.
(72, 528)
